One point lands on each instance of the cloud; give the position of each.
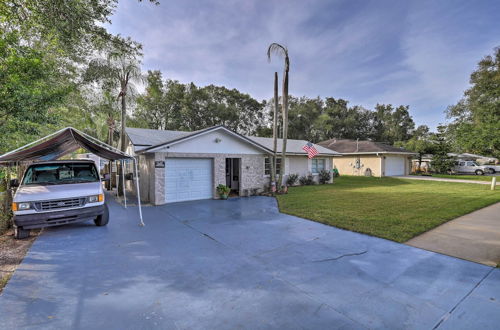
(419, 53)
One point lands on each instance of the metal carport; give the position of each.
(63, 142)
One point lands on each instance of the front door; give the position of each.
(233, 174)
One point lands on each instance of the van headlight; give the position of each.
(96, 198)
(21, 206)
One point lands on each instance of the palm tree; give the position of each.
(275, 133)
(283, 52)
(122, 70)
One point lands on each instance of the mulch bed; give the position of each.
(12, 252)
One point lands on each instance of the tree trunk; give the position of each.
(275, 131)
(285, 124)
(110, 163)
(123, 147)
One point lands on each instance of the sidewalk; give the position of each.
(474, 236)
(429, 178)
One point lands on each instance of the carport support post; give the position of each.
(123, 183)
(138, 192)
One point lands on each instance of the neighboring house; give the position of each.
(99, 162)
(425, 165)
(179, 166)
(369, 158)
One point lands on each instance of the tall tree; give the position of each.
(476, 118)
(30, 86)
(120, 69)
(283, 52)
(441, 162)
(275, 133)
(420, 143)
(175, 106)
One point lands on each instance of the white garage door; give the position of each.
(187, 179)
(394, 165)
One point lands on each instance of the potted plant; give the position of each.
(223, 191)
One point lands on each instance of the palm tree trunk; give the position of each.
(275, 132)
(123, 147)
(285, 126)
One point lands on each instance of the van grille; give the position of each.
(59, 204)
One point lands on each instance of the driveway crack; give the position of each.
(342, 256)
(447, 315)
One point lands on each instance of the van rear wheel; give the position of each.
(479, 172)
(103, 219)
(20, 233)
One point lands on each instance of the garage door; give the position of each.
(394, 165)
(188, 179)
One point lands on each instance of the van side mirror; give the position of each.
(14, 183)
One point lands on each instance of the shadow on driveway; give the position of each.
(239, 264)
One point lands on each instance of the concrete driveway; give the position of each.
(240, 264)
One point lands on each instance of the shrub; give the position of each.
(222, 189)
(324, 176)
(292, 179)
(5, 213)
(307, 180)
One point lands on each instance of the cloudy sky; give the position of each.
(418, 53)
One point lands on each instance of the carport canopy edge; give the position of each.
(63, 142)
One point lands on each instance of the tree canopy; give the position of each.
(476, 117)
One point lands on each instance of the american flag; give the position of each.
(311, 151)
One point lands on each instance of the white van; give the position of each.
(59, 192)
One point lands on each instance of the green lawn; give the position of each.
(396, 209)
(464, 177)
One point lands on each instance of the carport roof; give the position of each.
(60, 143)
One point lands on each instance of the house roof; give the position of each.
(143, 138)
(149, 140)
(345, 146)
(292, 146)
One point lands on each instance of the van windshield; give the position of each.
(50, 174)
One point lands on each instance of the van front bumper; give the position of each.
(56, 218)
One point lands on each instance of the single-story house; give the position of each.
(179, 166)
(368, 158)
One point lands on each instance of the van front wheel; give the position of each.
(103, 219)
(479, 172)
(20, 233)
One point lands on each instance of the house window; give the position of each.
(317, 165)
(267, 166)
